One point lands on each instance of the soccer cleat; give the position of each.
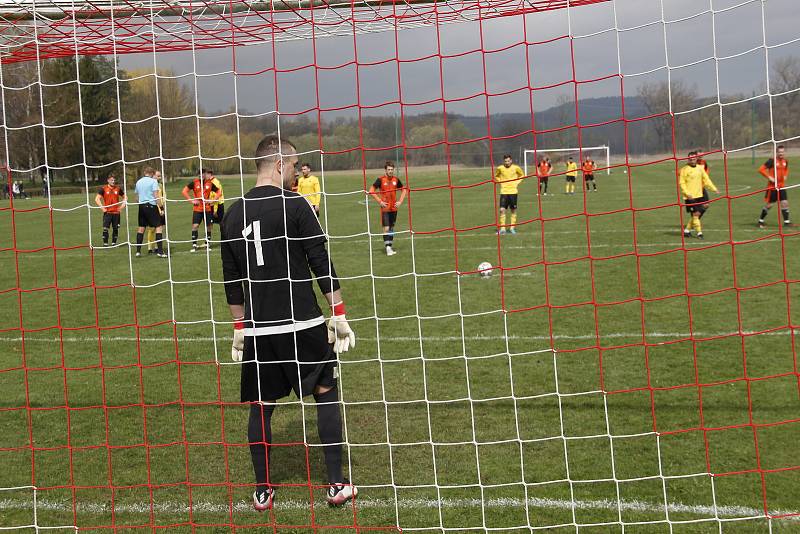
(339, 494)
(138, 254)
(761, 225)
(162, 254)
(390, 251)
(687, 233)
(699, 235)
(501, 231)
(262, 499)
(513, 231)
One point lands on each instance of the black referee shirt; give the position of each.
(272, 241)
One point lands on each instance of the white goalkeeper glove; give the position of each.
(340, 335)
(238, 342)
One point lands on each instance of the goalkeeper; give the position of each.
(279, 330)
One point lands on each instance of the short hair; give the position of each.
(781, 147)
(506, 156)
(306, 164)
(692, 153)
(207, 170)
(269, 150)
(148, 171)
(388, 164)
(570, 158)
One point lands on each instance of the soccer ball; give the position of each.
(485, 269)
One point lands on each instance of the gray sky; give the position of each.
(689, 39)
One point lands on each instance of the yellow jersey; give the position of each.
(693, 180)
(309, 188)
(572, 169)
(509, 178)
(218, 197)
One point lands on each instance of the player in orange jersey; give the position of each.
(543, 173)
(776, 171)
(588, 168)
(199, 193)
(384, 191)
(111, 199)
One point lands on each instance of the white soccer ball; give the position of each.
(485, 269)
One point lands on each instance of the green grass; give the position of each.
(570, 375)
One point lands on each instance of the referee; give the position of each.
(149, 192)
(271, 243)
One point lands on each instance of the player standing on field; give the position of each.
(572, 176)
(693, 182)
(200, 192)
(384, 191)
(149, 193)
(272, 242)
(588, 168)
(543, 173)
(775, 171)
(308, 186)
(111, 199)
(509, 176)
(218, 207)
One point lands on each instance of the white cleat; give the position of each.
(339, 494)
(262, 499)
(390, 251)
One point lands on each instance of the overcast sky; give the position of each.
(688, 39)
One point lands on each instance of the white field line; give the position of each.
(177, 507)
(477, 337)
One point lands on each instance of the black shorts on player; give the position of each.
(388, 218)
(588, 177)
(695, 205)
(571, 179)
(275, 365)
(111, 220)
(198, 217)
(508, 202)
(149, 216)
(773, 195)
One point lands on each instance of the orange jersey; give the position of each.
(768, 167)
(386, 188)
(703, 163)
(112, 197)
(202, 189)
(588, 167)
(543, 169)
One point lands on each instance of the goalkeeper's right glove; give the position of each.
(340, 335)
(238, 341)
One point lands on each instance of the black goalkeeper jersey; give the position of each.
(272, 241)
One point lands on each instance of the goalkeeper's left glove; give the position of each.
(340, 335)
(237, 348)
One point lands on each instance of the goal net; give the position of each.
(627, 362)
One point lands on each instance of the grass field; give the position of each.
(608, 369)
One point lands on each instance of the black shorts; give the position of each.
(198, 217)
(695, 205)
(149, 216)
(388, 218)
(544, 179)
(111, 219)
(571, 178)
(220, 214)
(267, 375)
(588, 177)
(773, 195)
(508, 202)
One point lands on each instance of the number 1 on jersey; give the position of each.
(255, 229)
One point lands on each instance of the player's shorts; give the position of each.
(588, 177)
(544, 179)
(773, 195)
(198, 217)
(111, 219)
(219, 214)
(275, 365)
(571, 178)
(149, 216)
(388, 218)
(508, 202)
(695, 205)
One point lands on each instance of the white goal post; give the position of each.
(533, 154)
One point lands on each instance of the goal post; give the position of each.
(530, 157)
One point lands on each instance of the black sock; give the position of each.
(194, 237)
(159, 236)
(139, 239)
(594, 185)
(105, 236)
(114, 235)
(259, 435)
(763, 214)
(329, 425)
(208, 237)
(786, 218)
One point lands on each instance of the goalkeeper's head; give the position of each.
(276, 159)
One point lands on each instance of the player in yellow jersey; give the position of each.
(694, 181)
(572, 175)
(308, 186)
(509, 177)
(218, 207)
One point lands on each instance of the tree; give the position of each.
(656, 98)
(785, 82)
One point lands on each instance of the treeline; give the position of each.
(113, 114)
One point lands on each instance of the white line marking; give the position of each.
(177, 507)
